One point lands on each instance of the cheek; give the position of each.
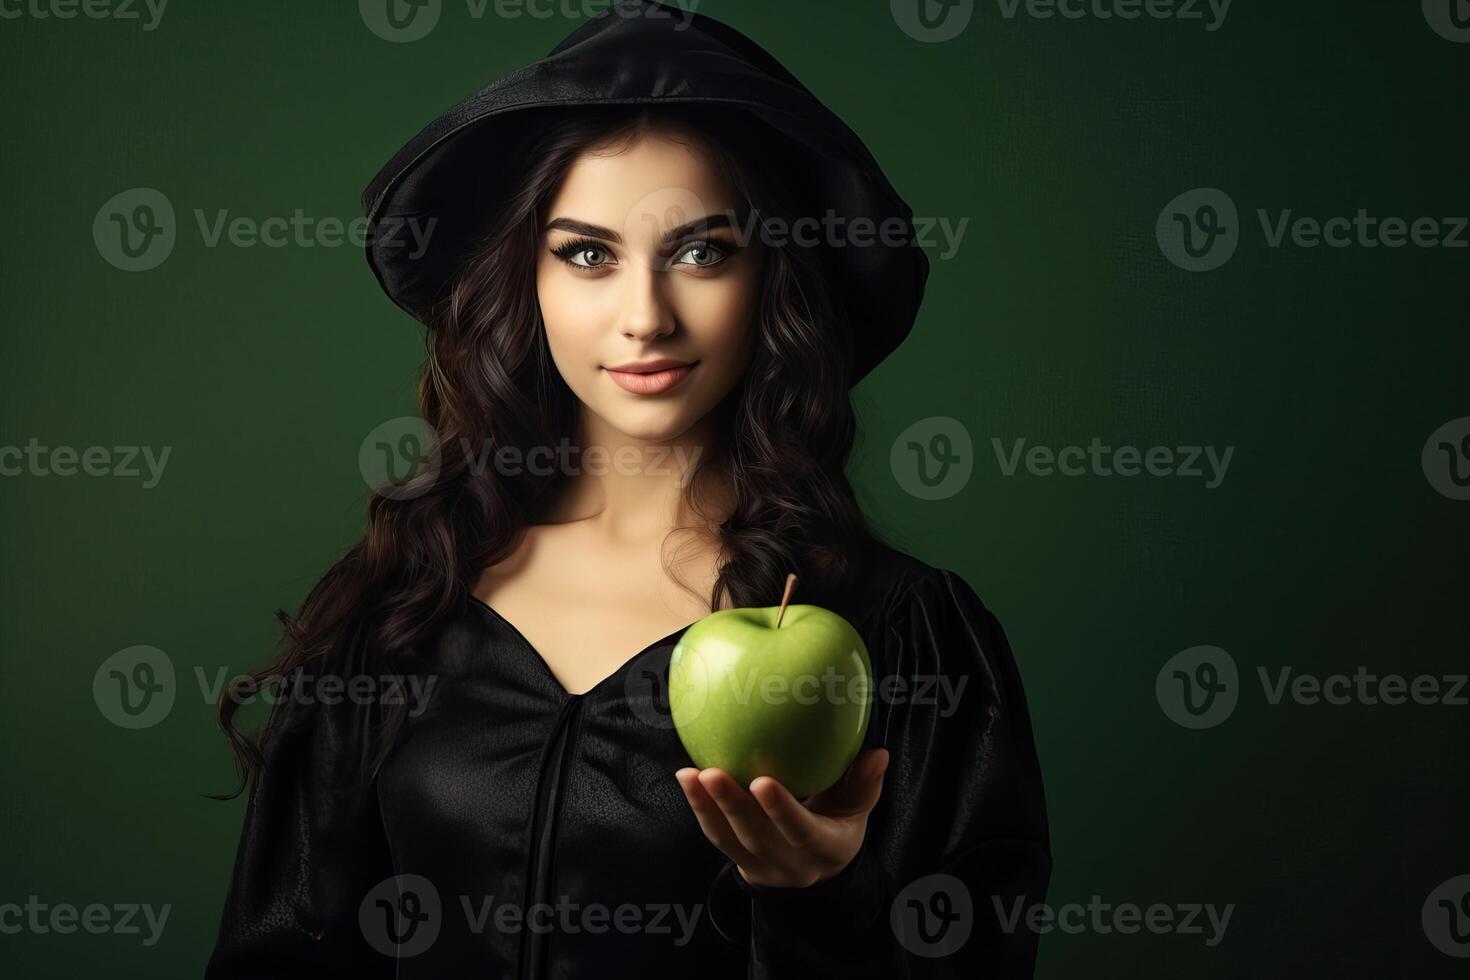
(566, 309)
(720, 314)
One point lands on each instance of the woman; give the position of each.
(614, 266)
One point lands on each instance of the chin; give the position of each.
(659, 425)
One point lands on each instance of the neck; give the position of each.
(634, 490)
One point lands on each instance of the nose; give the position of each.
(646, 314)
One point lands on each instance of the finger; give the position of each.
(712, 820)
(796, 823)
(751, 825)
(872, 786)
(858, 790)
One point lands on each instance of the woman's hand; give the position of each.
(774, 839)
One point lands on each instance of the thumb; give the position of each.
(876, 766)
(858, 791)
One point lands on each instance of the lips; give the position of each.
(650, 382)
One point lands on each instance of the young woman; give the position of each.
(638, 374)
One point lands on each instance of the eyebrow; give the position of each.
(707, 223)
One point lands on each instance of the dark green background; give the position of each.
(1059, 320)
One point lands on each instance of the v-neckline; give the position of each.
(546, 667)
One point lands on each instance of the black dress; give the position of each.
(518, 831)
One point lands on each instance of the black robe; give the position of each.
(518, 831)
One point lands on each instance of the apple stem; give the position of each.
(790, 588)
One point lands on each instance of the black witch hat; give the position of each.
(640, 52)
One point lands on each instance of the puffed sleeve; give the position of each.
(312, 845)
(958, 841)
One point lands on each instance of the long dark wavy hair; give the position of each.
(785, 431)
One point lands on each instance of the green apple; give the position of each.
(758, 694)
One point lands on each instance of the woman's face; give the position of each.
(617, 292)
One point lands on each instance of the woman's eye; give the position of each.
(704, 254)
(582, 254)
(581, 257)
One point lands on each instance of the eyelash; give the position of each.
(566, 250)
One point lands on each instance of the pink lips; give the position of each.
(652, 382)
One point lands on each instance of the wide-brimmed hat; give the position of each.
(640, 52)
